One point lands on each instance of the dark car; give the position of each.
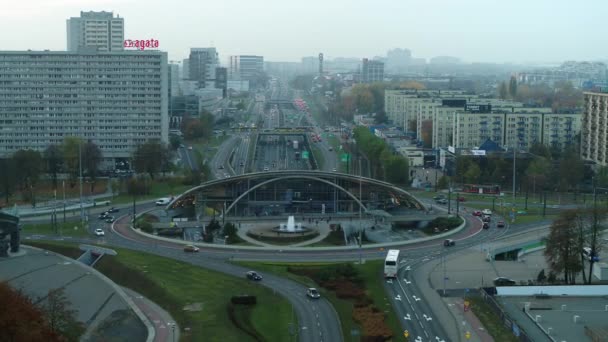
(502, 281)
(110, 219)
(449, 242)
(113, 210)
(500, 224)
(253, 275)
(486, 225)
(103, 215)
(442, 201)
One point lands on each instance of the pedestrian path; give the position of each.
(165, 326)
(469, 323)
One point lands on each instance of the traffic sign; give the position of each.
(305, 155)
(406, 334)
(345, 157)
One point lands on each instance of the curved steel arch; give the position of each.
(297, 177)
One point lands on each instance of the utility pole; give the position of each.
(360, 213)
(514, 159)
(449, 198)
(63, 184)
(80, 171)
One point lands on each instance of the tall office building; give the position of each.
(594, 132)
(244, 67)
(118, 100)
(372, 71)
(96, 29)
(202, 63)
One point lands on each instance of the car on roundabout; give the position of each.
(253, 275)
(476, 213)
(109, 219)
(502, 281)
(313, 293)
(500, 224)
(487, 212)
(486, 218)
(449, 242)
(485, 225)
(163, 201)
(99, 232)
(191, 249)
(442, 201)
(113, 210)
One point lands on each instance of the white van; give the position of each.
(163, 201)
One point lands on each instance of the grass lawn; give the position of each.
(372, 279)
(491, 321)
(173, 284)
(66, 229)
(157, 189)
(316, 152)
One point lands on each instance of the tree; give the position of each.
(71, 149)
(381, 117)
(91, 157)
(601, 177)
(8, 174)
(537, 171)
(60, 316)
(443, 182)
(21, 319)
(29, 165)
(207, 120)
(193, 128)
(397, 170)
(240, 105)
(561, 250)
(571, 169)
(502, 91)
(230, 231)
(175, 141)
(513, 87)
(412, 85)
(541, 276)
(150, 157)
(54, 158)
(472, 174)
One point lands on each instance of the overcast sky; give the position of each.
(285, 30)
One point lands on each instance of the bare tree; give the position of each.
(562, 247)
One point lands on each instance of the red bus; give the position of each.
(481, 189)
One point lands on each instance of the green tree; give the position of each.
(536, 173)
(462, 166)
(150, 157)
(472, 174)
(230, 231)
(571, 169)
(443, 182)
(397, 170)
(175, 141)
(503, 92)
(207, 120)
(53, 158)
(513, 87)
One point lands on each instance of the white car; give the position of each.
(99, 232)
(163, 201)
(487, 212)
(313, 293)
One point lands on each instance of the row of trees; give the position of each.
(200, 127)
(548, 169)
(562, 97)
(568, 235)
(393, 168)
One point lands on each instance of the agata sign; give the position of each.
(141, 44)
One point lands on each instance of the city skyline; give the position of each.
(471, 30)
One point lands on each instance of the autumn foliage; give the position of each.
(345, 282)
(21, 320)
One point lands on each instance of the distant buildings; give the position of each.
(575, 72)
(445, 60)
(201, 66)
(594, 134)
(96, 29)
(118, 100)
(372, 71)
(398, 59)
(457, 119)
(245, 67)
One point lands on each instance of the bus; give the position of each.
(391, 264)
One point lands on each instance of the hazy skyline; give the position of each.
(281, 30)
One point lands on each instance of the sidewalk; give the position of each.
(165, 326)
(469, 322)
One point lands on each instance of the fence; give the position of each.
(509, 324)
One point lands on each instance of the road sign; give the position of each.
(305, 155)
(406, 334)
(345, 157)
(467, 335)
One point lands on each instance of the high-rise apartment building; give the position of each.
(594, 133)
(118, 100)
(96, 29)
(201, 64)
(372, 71)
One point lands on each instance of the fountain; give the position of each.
(290, 227)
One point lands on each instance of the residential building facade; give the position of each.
(201, 65)
(118, 100)
(100, 30)
(594, 131)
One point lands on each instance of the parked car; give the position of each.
(313, 293)
(190, 248)
(502, 281)
(253, 275)
(500, 224)
(99, 232)
(449, 242)
(487, 212)
(477, 213)
(163, 201)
